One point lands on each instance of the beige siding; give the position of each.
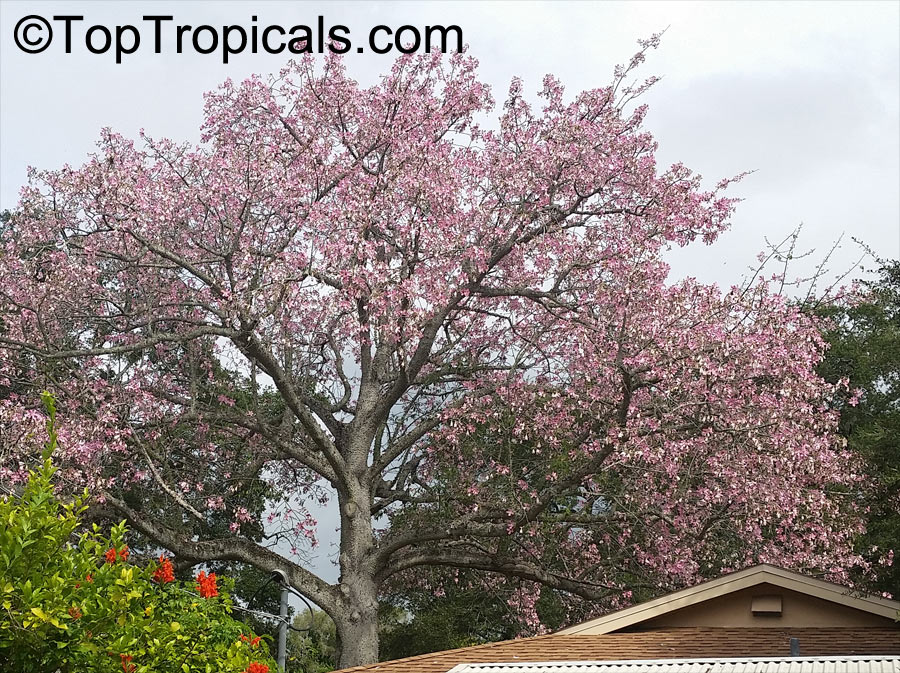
(734, 610)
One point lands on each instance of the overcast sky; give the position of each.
(806, 94)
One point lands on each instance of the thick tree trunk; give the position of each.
(358, 630)
(357, 625)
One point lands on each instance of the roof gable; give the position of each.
(729, 584)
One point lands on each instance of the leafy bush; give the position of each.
(74, 603)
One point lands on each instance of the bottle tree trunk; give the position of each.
(358, 630)
(357, 624)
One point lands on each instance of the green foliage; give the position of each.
(457, 618)
(73, 603)
(865, 348)
(315, 650)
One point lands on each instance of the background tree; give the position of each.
(455, 615)
(864, 342)
(466, 337)
(312, 648)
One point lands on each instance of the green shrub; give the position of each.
(74, 603)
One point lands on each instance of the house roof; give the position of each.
(743, 665)
(602, 639)
(760, 574)
(674, 643)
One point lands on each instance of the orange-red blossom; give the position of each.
(164, 572)
(127, 666)
(206, 585)
(111, 553)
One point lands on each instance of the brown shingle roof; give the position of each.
(663, 644)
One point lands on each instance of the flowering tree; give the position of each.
(463, 334)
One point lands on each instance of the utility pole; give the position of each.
(282, 629)
(283, 626)
(283, 621)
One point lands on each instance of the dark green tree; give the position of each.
(312, 643)
(416, 621)
(865, 348)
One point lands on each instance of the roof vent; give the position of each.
(766, 606)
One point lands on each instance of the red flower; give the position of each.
(257, 667)
(206, 586)
(164, 573)
(74, 613)
(110, 554)
(127, 666)
(253, 641)
(89, 578)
